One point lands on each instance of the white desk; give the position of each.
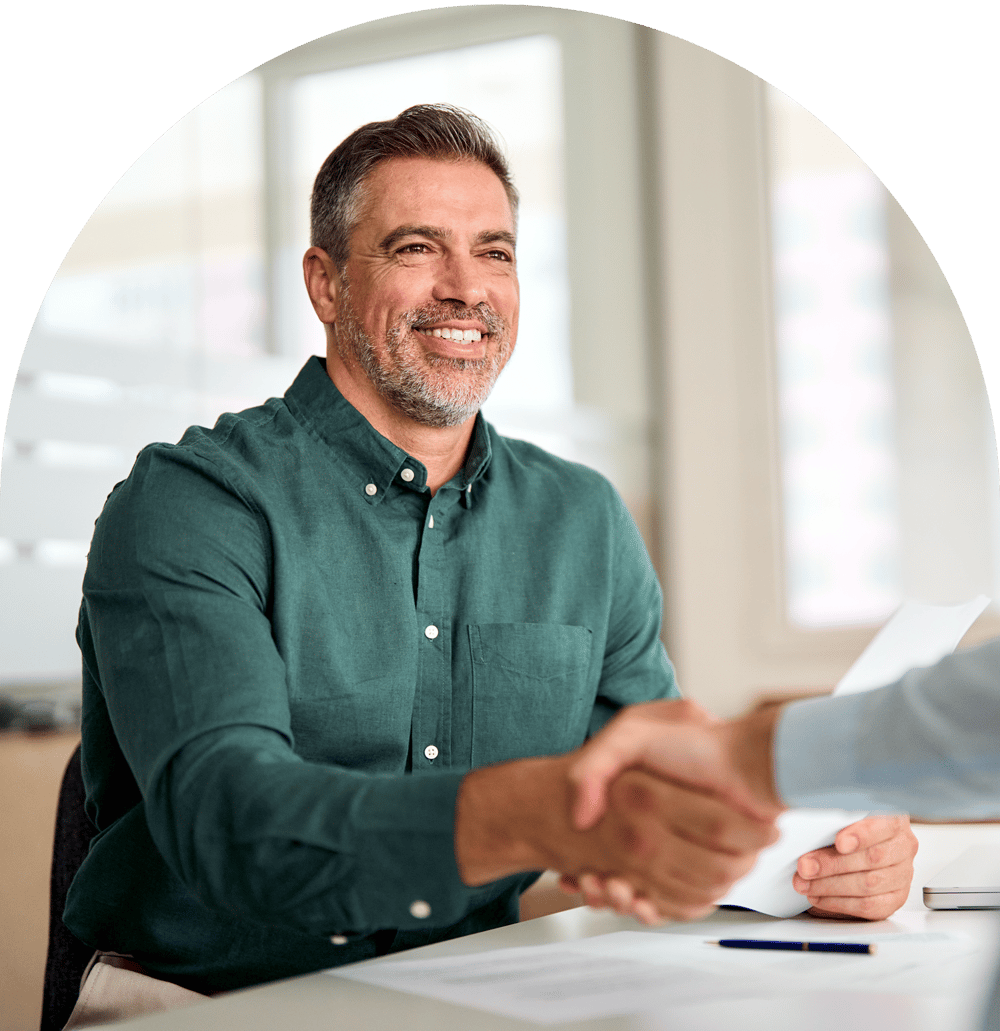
(318, 1002)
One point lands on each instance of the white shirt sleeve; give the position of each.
(928, 744)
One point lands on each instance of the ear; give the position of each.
(322, 284)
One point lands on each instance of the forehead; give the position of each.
(450, 194)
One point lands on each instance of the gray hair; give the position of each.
(425, 130)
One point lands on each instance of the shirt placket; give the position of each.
(431, 725)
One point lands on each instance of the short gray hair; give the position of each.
(425, 130)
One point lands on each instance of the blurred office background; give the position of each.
(722, 310)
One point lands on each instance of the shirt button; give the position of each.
(430, 523)
(407, 474)
(371, 489)
(338, 939)
(420, 909)
(430, 632)
(431, 752)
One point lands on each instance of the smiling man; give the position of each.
(340, 650)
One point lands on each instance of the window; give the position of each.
(833, 339)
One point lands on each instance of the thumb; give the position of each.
(597, 764)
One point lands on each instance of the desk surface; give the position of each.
(318, 1001)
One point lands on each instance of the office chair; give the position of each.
(67, 956)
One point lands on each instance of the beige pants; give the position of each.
(115, 988)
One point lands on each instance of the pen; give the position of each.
(749, 943)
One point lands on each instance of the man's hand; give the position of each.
(864, 875)
(680, 741)
(678, 850)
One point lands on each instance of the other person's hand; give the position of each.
(864, 875)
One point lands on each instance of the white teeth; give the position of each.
(453, 334)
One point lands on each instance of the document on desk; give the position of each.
(917, 635)
(635, 971)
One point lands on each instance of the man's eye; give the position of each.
(413, 248)
(499, 255)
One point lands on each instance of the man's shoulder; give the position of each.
(523, 460)
(235, 449)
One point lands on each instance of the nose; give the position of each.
(460, 279)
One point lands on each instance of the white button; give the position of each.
(468, 490)
(430, 523)
(338, 939)
(371, 489)
(431, 752)
(407, 474)
(430, 632)
(420, 909)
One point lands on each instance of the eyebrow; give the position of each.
(497, 236)
(401, 232)
(438, 233)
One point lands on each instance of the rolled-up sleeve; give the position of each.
(635, 665)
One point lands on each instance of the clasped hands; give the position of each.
(660, 813)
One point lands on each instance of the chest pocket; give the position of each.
(530, 689)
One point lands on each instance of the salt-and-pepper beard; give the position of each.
(408, 379)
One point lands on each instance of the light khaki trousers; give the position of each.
(115, 988)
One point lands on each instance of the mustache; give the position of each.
(482, 312)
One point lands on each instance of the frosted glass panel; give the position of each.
(173, 256)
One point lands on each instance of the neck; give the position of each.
(442, 449)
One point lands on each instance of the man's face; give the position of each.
(429, 301)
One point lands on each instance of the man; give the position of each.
(302, 629)
(928, 743)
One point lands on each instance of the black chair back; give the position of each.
(67, 956)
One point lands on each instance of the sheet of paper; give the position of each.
(633, 971)
(917, 635)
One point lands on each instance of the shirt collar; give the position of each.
(373, 460)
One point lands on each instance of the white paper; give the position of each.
(633, 971)
(917, 635)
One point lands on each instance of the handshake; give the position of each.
(660, 813)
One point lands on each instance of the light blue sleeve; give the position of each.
(928, 744)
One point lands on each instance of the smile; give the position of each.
(452, 334)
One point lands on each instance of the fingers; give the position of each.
(872, 881)
(646, 735)
(869, 844)
(868, 907)
(618, 894)
(675, 848)
(701, 821)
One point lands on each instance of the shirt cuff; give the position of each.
(815, 760)
(404, 834)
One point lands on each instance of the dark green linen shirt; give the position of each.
(291, 655)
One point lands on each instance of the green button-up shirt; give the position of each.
(291, 655)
